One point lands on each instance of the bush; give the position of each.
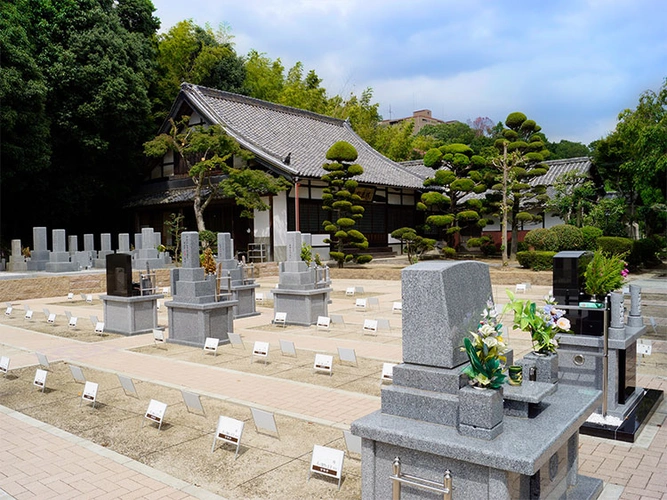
(449, 252)
(522, 246)
(541, 239)
(644, 253)
(591, 235)
(537, 261)
(209, 239)
(568, 237)
(614, 244)
(363, 259)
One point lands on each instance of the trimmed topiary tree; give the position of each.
(340, 199)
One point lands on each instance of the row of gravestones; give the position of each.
(325, 461)
(65, 255)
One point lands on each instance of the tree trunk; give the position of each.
(199, 209)
(503, 225)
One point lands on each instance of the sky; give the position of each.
(571, 65)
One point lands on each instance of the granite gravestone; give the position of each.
(300, 293)
(147, 255)
(59, 259)
(123, 243)
(423, 412)
(194, 312)
(17, 261)
(39, 256)
(242, 286)
(105, 249)
(119, 275)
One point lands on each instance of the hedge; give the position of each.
(614, 244)
(537, 261)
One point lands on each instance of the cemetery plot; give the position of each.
(229, 430)
(56, 325)
(327, 462)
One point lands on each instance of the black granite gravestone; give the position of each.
(119, 275)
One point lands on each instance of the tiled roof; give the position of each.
(272, 131)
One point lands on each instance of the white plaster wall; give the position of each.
(261, 223)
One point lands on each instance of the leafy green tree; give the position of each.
(567, 149)
(340, 200)
(522, 152)
(462, 173)
(362, 113)
(450, 133)
(396, 141)
(574, 196)
(632, 160)
(264, 78)
(610, 215)
(303, 93)
(415, 245)
(208, 152)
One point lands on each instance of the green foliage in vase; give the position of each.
(605, 273)
(486, 352)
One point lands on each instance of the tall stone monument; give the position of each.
(432, 421)
(39, 255)
(234, 274)
(300, 293)
(195, 313)
(105, 245)
(59, 258)
(147, 254)
(17, 261)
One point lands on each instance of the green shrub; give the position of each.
(541, 239)
(208, 239)
(449, 252)
(522, 246)
(568, 237)
(537, 261)
(364, 259)
(591, 235)
(644, 253)
(614, 244)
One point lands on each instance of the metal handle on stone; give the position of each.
(426, 484)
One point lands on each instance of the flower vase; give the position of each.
(546, 366)
(480, 412)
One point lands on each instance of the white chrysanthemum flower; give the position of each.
(487, 330)
(491, 341)
(563, 323)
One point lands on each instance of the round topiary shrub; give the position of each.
(541, 239)
(568, 237)
(614, 244)
(449, 252)
(364, 259)
(342, 151)
(591, 235)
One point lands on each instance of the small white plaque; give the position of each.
(211, 345)
(259, 297)
(166, 290)
(229, 430)
(644, 347)
(235, 339)
(90, 393)
(28, 314)
(261, 350)
(397, 307)
(387, 372)
(352, 443)
(89, 298)
(280, 319)
(40, 378)
(4, 364)
(520, 287)
(370, 326)
(347, 355)
(72, 322)
(77, 374)
(8, 311)
(349, 291)
(156, 411)
(51, 319)
(70, 296)
(328, 462)
(42, 360)
(128, 386)
(323, 363)
(287, 347)
(323, 322)
(99, 327)
(158, 336)
(264, 420)
(361, 303)
(192, 402)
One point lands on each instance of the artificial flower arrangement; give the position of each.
(605, 273)
(543, 323)
(486, 351)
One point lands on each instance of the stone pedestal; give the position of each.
(105, 239)
(130, 315)
(39, 256)
(299, 293)
(146, 256)
(545, 365)
(242, 287)
(17, 262)
(432, 421)
(194, 313)
(59, 258)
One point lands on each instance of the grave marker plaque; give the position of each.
(4, 365)
(192, 402)
(229, 430)
(323, 363)
(370, 326)
(287, 347)
(99, 327)
(8, 311)
(347, 355)
(280, 319)
(261, 350)
(323, 322)
(89, 394)
(361, 304)
(155, 412)
(40, 378)
(387, 372)
(264, 420)
(77, 374)
(51, 319)
(211, 345)
(328, 462)
(43, 362)
(128, 386)
(235, 339)
(72, 321)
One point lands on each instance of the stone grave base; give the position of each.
(302, 306)
(192, 324)
(245, 296)
(130, 315)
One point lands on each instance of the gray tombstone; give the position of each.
(39, 256)
(242, 288)
(59, 259)
(88, 243)
(17, 261)
(105, 249)
(123, 243)
(72, 244)
(146, 256)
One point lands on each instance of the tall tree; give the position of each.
(208, 153)
(521, 158)
(567, 149)
(458, 173)
(265, 78)
(340, 200)
(574, 197)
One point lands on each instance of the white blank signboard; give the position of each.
(287, 347)
(155, 412)
(89, 394)
(264, 420)
(211, 345)
(43, 362)
(128, 386)
(328, 462)
(4, 364)
(77, 374)
(383, 324)
(387, 371)
(235, 339)
(347, 355)
(337, 319)
(40, 378)
(370, 326)
(93, 320)
(352, 443)
(192, 402)
(323, 363)
(229, 431)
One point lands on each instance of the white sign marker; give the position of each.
(280, 319)
(287, 347)
(43, 362)
(229, 430)
(235, 339)
(264, 420)
(99, 327)
(323, 322)
(89, 298)
(349, 291)
(397, 307)
(352, 443)
(361, 304)
(28, 314)
(347, 355)
(8, 311)
(155, 412)
(89, 394)
(70, 296)
(51, 319)
(211, 345)
(387, 372)
(644, 347)
(520, 287)
(192, 402)
(72, 322)
(370, 326)
(128, 386)
(328, 462)
(40, 378)
(4, 365)
(77, 374)
(158, 336)
(323, 363)
(261, 350)
(259, 297)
